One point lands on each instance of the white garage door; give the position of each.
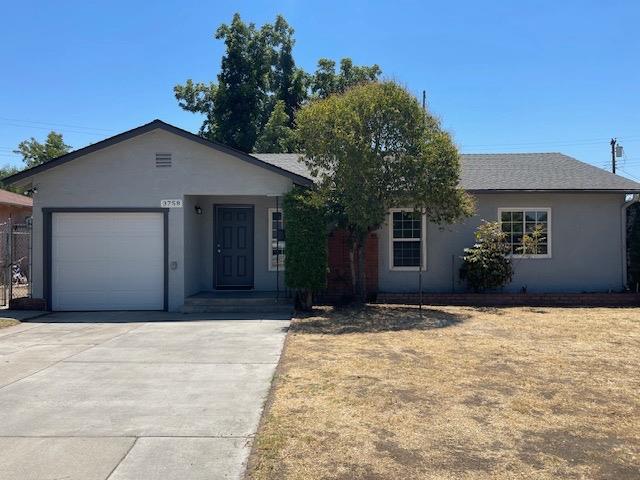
(107, 261)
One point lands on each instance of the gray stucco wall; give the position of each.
(192, 246)
(124, 175)
(586, 246)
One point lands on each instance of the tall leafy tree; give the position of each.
(34, 153)
(327, 81)
(7, 171)
(199, 98)
(234, 106)
(288, 82)
(373, 148)
(257, 70)
(277, 136)
(242, 84)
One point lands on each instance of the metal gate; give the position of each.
(15, 261)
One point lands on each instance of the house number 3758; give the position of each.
(171, 203)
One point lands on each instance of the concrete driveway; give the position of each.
(133, 395)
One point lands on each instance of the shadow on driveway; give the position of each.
(150, 316)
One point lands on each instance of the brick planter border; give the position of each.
(515, 299)
(27, 304)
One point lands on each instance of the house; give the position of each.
(14, 208)
(154, 215)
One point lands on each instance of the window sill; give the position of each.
(406, 269)
(530, 257)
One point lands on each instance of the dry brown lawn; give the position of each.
(461, 393)
(8, 322)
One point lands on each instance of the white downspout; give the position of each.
(623, 235)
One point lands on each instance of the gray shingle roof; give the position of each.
(507, 171)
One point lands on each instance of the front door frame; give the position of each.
(251, 207)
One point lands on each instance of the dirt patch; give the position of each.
(403, 456)
(8, 322)
(589, 451)
(464, 393)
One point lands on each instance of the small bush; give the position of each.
(633, 246)
(487, 265)
(306, 247)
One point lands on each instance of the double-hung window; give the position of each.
(516, 222)
(407, 239)
(276, 239)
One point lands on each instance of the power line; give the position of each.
(627, 173)
(57, 124)
(93, 134)
(563, 143)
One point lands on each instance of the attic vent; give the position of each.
(163, 160)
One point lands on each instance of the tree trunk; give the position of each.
(352, 267)
(304, 300)
(361, 281)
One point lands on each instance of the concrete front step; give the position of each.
(253, 302)
(239, 308)
(224, 301)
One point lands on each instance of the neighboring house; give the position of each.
(151, 216)
(14, 208)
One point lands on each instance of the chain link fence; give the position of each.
(15, 261)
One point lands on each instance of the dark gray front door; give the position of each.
(234, 246)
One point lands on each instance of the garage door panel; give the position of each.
(107, 261)
(134, 247)
(139, 226)
(74, 249)
(147, 280)
(78, 276)
(117, 301)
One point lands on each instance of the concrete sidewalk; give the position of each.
(123, 396)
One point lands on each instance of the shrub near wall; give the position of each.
(633, 247)
(487, 265)
(306, 245)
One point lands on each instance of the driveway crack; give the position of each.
(122, 459)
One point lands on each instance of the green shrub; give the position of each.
(487, 265)
(306, 248)
(633, 246)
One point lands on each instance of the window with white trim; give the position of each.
(276, 239)
(407, 242)
(515, 222)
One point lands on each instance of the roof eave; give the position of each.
(553, 190)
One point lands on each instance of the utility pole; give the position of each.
(613, 142)
(422, 219)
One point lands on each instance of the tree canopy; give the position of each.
(277, 136)
(34, 153)
(7, 171)
(373, 148)
(326, 81)
(257, 71)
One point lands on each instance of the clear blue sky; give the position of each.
(503, 76)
